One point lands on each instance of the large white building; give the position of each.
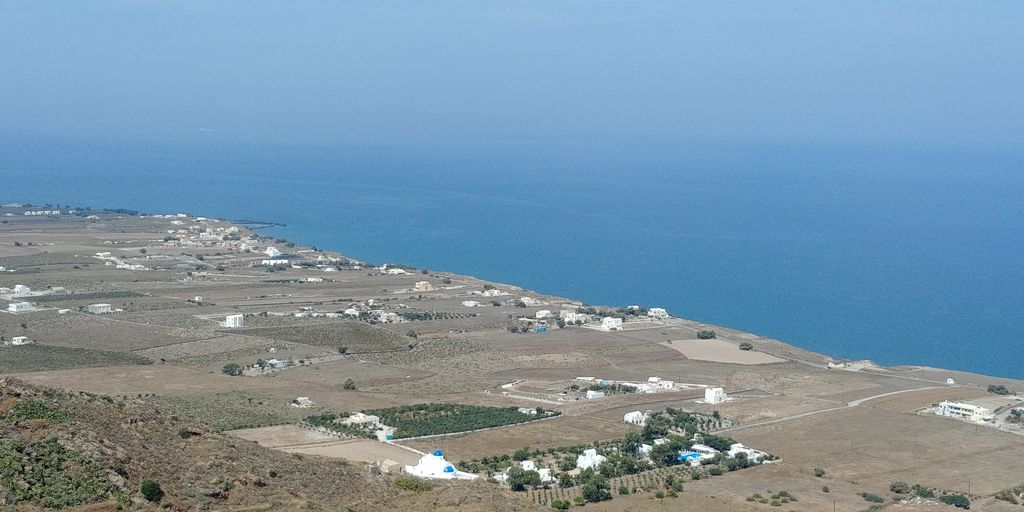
(610, 323)
(590, 459)
(715, 396)
(422, 286)
(965, 411)
(21, 290)
(542, 314)
(591, 394)
(234, 321)
(434, 465)
(20, 307)
(99, 309)
(658, 313)
(272, 252)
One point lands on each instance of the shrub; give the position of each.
(411, 333)
(623, 490)
(899, 487)
(560, 504)
(998, 389)
(342, 349)
(824, 488)
(412, 484)
(151, 491)
(232, 369)
(957, 500)
(579, 501)
(819, 472)
(704, 334)
(349, 385)
(746, 346)
(873, 498)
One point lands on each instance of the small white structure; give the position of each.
(590, 459)
(542, 314)
(234, 321)
(657, 313)
(661, 383)
(422, 286)
(609, 323)
(387, 317)
(635, 418)
(530, 301)
(715, 396)
(302, 402)
(20, 307)
(273, 263)
(21, 290)
(358, 418)
(494, 292)
(272, 252)
(594, 394)
(528, 410)
(573, 317)
(197, 298)
(313, 280)
(18, 341)
(434, 465)
(352, 312)
(470, 303)
(950, 382)
(965, 411)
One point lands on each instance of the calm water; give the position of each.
(898, 256)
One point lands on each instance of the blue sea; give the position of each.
(903, 256)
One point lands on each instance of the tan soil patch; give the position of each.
(721, 351)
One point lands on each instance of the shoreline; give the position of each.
(301, 245)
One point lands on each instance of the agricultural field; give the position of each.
(434, 419)
(36, 357)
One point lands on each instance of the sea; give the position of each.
(898, 255)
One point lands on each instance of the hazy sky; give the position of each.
(482, 72)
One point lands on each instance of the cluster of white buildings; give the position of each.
(653, 385)
(610, 323)
(43, 212)
(528, 465)
(16, 341)
(99, 309)
(233, 321)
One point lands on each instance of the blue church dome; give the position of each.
(438, 453)
(449, 469)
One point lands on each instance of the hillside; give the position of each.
(64, 449)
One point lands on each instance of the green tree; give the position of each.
(151, 490)
(349, 385)
(746, 346)
(519, 478)
(560, 504)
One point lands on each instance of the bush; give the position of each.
(623, 490)
(232, 369)
(899, 487)
(873, 498)
(411, 333)
(825, 488)
(412, 484)
(704, 334)
(998, 389)
(957, 500)
(560, 504)
(343, 349)
(151, 491)
(746, 346)
(349, 385)
(819, 472)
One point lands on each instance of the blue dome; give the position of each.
(449, 469)
(438, 453)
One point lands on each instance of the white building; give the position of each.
(470, 303)
(715, 396)
(950, 382)
(965, 411)
(635, 418)
(590, 459)
(494, 292)
(314, 280)
(661, 383)
(234, 321)
(422, 286)
(387, 317)
(542, 314)
(752, 455)
(434, 465)
(573, 317)
(18, 341)
(358, 418)
(273, 263)
(352, 312)
(530, 301)
(272, 252)
(21, 290)
(609, 323)
(657, 313)
(594, 394)
(302, 402)
(20, 307)
(99, 309)
(528, 410)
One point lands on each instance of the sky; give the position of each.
(469, 73)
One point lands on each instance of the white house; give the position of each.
(715, 396)
(434, 465)
(234, 321)
(573, 317)
(20, 307)
(752, 455)
(594, 394)
(422, 286)
(272, 252)
(657, 313)
(387, 317)
(470, 303)
(705, 451)
(950, 382)
(635, 418)
(965, 411)
(609, 323)
(21, 290)
(352, 312)
(530, 301)
(314, 280)
(542, 314)
(302, 402)
(528, 410)
(18, 341)
(590, 459)
(273, 263)
(358, 418)
(494, 292)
